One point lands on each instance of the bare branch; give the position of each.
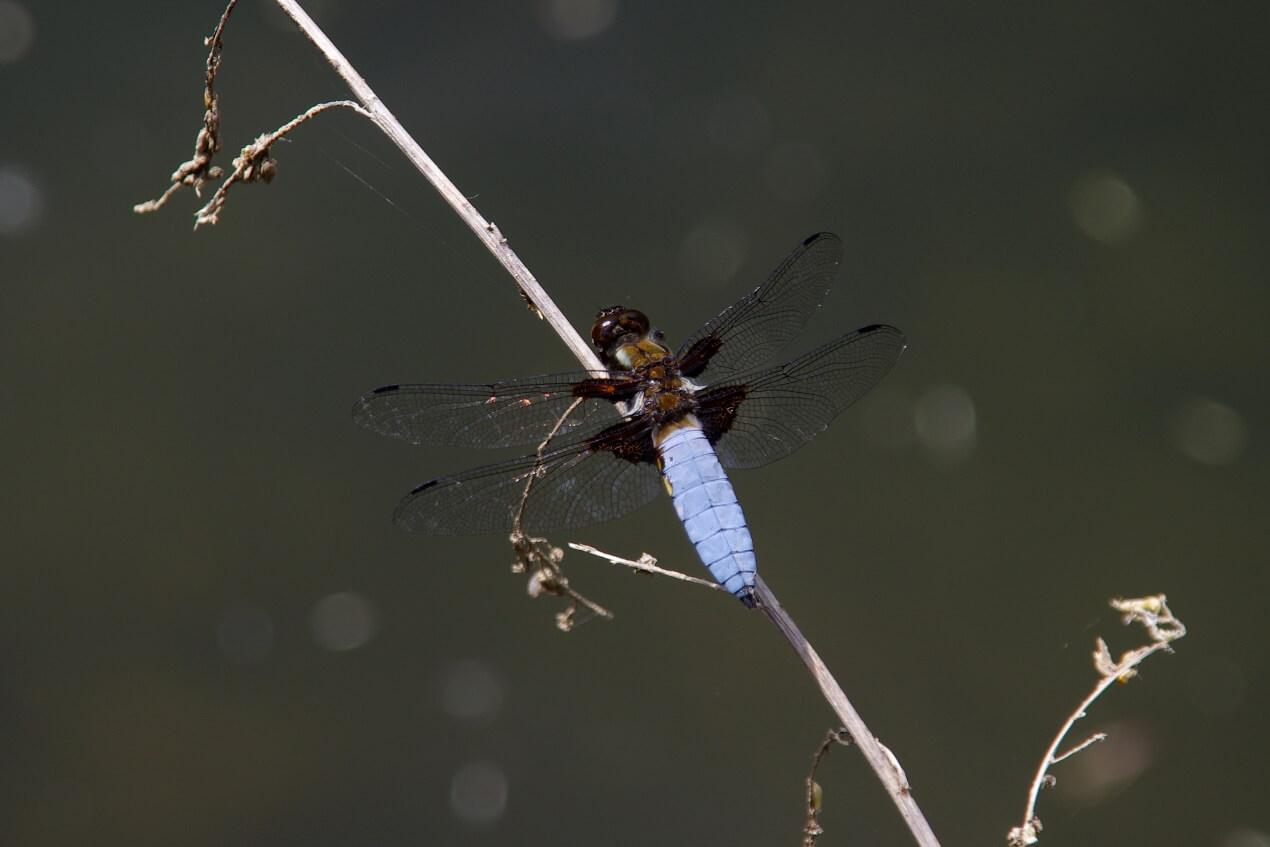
(647, 564)
(815, 794)
(880, 759)
(1153, 613)
(254, 163)
(1088, 742)
(536, 557)
(199, 170)
(486, 231)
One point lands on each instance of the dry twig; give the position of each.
(815, 796)
(536, 557)
(255, 164)
(199, 169)
(1163, 629)
(648, 565)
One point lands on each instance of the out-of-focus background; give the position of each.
(211, 633)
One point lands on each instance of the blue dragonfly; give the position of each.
(655, 419)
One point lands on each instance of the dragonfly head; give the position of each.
(625, 339)
(618, 325)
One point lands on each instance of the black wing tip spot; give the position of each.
(816, 236)
(419, 489)
(410, 521)
(385, 389)
(883, 328)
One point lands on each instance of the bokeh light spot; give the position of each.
(478, 793)
(17, 32)
(1209, 432)
(343, 621)
(573, 20)
(1103, 770)
(20, 201)
(944, 419)
(470, 691)
(1105, 207)
(1245, 838)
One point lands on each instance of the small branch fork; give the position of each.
(254, 164)
(646, 564)
(200, 169)
(1163, 629)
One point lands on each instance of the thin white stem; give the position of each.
(647, 564)
(248, 163)
(883, 765)
(1088, 742)
(879, 757)
(484, 230)
(1154, 614)
(1049, 759)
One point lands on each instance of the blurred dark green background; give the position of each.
(211, 633)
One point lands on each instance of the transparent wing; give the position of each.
(761, 324)
(497, 414)
(576, 484)
(765, 416)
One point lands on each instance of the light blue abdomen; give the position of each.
(706, 503)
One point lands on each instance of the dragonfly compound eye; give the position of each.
(613, 323)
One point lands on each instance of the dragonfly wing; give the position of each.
(761, 324)
(499, 414)
(575, 484)
(765, 416)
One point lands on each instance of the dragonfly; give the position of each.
(606, 444)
